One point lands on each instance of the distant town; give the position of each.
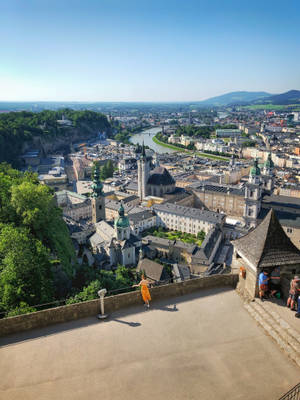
(181, 185)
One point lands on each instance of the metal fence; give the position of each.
(111, 292)
(293, 394)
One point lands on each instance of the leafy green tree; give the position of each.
(25, 269)
(201, 235)
(88, 293)
(107, 170)
(35, 208)
(124, 276)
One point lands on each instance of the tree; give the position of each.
(35, 208)
(201, 235)
(124, 276)
(25, 269)
(110, 168)
(107, 170)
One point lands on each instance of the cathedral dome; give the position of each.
(160, 176)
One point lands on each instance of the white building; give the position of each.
(186, 219)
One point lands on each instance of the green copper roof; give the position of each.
(255, 170)
(96, 185)
(122, 221)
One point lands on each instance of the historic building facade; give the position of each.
(244, 200)
(186, 219)
(153, 183)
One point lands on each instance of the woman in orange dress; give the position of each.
(144, 290)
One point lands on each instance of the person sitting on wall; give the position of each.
(263, 284)
(274, 284)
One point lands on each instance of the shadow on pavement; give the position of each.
(168, 304)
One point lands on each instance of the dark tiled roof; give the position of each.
(193, 213)
(286, 201)
(152, 269)
(204, 252)
(267, 245)
(141, 216)
(218, 188)
(160, 176)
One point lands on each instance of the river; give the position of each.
(147, 136)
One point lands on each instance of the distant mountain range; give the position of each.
(234, 98)
(253, 98)
(290, 97)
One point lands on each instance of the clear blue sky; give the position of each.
(146, 50)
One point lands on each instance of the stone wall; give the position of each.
(71, 312)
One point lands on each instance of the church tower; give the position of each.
(125, 250)
(268, 174)
(97, 199)
(122, 225)
(253, 193)
(143, 174)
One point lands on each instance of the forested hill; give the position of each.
(19, 128)
(37, 257)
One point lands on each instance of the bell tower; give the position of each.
(143, 174)
(268, 174)
(97, 199)
(253, 193)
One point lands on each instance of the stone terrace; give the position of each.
(202, 345)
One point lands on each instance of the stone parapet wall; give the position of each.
(71, 312)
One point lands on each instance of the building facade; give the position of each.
(186, 219)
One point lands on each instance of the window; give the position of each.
(100, 207)
(289, 230)
(250, 212)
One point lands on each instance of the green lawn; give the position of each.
(204, 155)
(176, 235)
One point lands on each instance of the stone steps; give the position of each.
(284, 335)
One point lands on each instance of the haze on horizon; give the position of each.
(139, 50)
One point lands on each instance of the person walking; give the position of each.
(144, 283)
(293, 293)
(263, 284)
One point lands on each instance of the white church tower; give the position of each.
(253, 194)
(268, 174)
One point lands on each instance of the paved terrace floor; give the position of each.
(199, 346)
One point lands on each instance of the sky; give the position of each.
(146, 50)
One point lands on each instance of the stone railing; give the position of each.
(71, 312)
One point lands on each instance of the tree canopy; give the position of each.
(33, 237)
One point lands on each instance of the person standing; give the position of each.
(144, 283)
(263, 284)
(297, 315)
(293, 293)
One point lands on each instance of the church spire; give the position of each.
(96, 185)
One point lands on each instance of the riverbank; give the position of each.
(146, 137)
(175, 148)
